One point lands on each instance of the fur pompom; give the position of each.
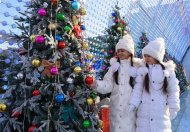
(166, 73)
(142, 71)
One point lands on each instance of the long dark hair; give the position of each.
(146, 81)
(131, 80)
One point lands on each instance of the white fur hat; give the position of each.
(156, 49)
(126, 43)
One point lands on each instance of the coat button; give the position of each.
(152, 81)
(152, 99)
(151, 119)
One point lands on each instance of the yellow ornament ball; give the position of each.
(85, 45)
(90, 101)
(77, 69)
(89, 56)
(82, 11)
(119, 28)
(3, 107)
(52, 26)
(101, 124)
(32, 37)
(36, 62)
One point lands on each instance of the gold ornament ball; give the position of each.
(3, 107)
(32, 37)
(102, 50)
(52, 26)
(101, 124)
(89, 56)
(85, 45)
(90, 101)
(35, 62)
(119, 28)
(77, 69)
(82, 11)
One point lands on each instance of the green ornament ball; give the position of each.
(93, 95)
(86, 123)
(60, 17)
(67, 28)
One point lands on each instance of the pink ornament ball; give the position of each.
(40, 39)
(117, 20)
(103, 67)
(41, 12)
(111, 51)
(54, 70)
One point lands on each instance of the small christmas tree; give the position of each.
(143, 42)
(118, 28)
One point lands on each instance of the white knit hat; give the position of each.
(126, 43)
(156, 49)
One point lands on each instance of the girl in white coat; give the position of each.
(118, 81)
(156, 92)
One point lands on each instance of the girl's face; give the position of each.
(123, 54)
(150, 60)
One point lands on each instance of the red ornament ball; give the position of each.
(31, 128)
(61, 45)
(72, 93)
(36, 92)
(16, 114)
(89, 80)
(54, 2)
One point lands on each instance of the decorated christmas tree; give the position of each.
(117, 29)
(49, 90)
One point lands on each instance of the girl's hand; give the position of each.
(93, 85)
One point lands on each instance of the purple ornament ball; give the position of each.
(41, 12)
(40, 39)
(54, 70)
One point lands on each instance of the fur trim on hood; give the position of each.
(169, 65)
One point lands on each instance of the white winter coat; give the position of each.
(120, 121)
(153, 108)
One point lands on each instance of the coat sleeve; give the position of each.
(106, 85)
(136, 94)
(173, 91)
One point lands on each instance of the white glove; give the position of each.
(130, 108)
(173, 114)
(114, 67)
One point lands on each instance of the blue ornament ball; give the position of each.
(75, 5)
(83, 27)
(58, 37)
(5, 87)
(59, 98)
(113, 14)
(77, 63)
(5, 79)
(7, 61)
